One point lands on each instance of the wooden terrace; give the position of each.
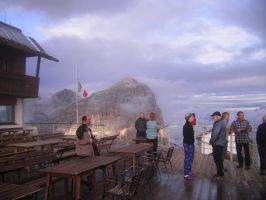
(237, 183)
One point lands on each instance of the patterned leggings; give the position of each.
(189, 157)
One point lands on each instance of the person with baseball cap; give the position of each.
(218, 141)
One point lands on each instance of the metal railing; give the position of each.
(67, 128)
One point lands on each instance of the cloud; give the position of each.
(61, 9)
(196, 56)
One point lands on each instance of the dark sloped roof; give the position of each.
(13, 37)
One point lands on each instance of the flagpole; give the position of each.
(77, 108)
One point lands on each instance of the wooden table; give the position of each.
(14, 192)
(105, 141)
(141, 140)
(131, 151)
(30, 145)
(75, 169)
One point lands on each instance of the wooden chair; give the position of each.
(167, 159)
(152, 161)
(127, 187)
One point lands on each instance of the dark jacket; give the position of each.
(261, 136)
(188, 133)
(218, 136)
(141, 126)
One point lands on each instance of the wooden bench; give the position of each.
(11, 153)
(45, 158)
(49, 136)
(22, 156)
(37, 180)
(16, 192)
(16, 136)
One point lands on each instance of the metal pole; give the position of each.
(77, 111)
(203, 139)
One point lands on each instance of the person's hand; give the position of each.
(238, 130)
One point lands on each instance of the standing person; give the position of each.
(194, 122)
(241, 128)
(141, 125)
(218, 141)
(225, 118)
(261, 142)
(189, 148)
(152, 131)
(84, 141)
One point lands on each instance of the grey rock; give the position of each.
(116, 107)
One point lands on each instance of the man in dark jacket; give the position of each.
(141, 125)
(261, 141)
(218, 141)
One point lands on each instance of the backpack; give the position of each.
(80, 131)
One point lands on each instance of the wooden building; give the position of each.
(15, 84)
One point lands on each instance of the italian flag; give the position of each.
(82, 91)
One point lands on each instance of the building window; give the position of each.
(7, 114)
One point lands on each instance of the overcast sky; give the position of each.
(196, 55)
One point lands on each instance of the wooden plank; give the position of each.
(14, 192)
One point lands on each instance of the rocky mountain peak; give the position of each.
(116, 107)
(64, 96)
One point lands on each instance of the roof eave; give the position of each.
(26, 49)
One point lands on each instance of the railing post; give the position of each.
(53, 128)
(203, 139)
(231, 147)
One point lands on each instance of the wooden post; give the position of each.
(38, 66)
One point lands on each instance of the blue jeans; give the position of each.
(189, 157)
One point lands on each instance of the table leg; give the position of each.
(93, 179)
(66, 189)
(104, 184)
(47, 187)
(78, 185)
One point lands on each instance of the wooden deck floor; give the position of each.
(237, 184)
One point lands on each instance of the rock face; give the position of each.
(116, 108)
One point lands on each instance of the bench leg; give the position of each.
(47, 188)
(66, 188)
(78, 185)
(19, 175)
(3, 177)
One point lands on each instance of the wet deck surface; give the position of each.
(237, 183)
